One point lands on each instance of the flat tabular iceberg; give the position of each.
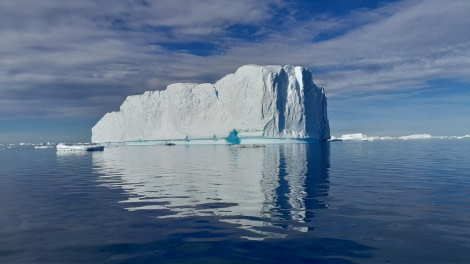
(256, 102)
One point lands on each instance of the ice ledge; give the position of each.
(218, 141)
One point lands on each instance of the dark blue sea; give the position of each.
(332, 202)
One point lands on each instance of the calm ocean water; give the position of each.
(338, 202)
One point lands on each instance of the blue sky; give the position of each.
(389, 68)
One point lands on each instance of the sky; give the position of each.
(389, 68)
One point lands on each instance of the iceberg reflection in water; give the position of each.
(269, 191)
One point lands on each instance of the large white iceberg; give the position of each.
(256, 102)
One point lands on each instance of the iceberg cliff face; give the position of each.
(255, 101)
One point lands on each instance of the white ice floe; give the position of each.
(79, 147)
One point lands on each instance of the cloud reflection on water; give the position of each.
(269, 191)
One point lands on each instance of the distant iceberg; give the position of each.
(354, 137)
(363, 137)
(256, 104)
(417, 136)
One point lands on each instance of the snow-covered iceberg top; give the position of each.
(255, 102)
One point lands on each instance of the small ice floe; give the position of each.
(43, 147)
(79, 147)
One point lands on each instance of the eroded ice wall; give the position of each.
(255, 101)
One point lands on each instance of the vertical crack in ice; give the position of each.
(281, 102)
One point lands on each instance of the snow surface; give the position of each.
(255, 102)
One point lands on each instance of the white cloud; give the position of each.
(420, 42)
(203, 13)
(113, 49)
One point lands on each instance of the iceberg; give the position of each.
(79, 147)
(253, 104)
(355, 137)
(363, 137)
(416, 136)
